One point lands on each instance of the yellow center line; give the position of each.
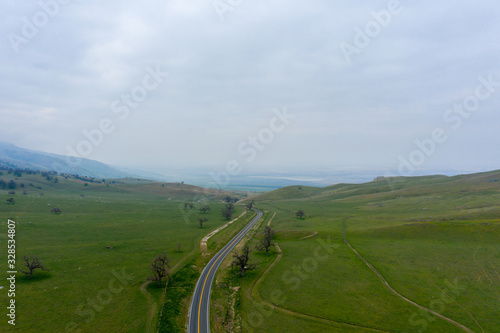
(208, 274)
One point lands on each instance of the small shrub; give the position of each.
(56, 210)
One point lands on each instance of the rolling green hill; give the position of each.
(434, 240)
(398, 247)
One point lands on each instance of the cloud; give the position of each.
(225, 78)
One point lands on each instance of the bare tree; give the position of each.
(179, 247)
(266, 243)
(300, 214)
(205, 209)
(230, 200)
(241, 261)
(227, 211)
(159, 268)
(33, 262)
(202, 220)
(250, 205)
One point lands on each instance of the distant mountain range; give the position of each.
(259, 181)
(13, 156)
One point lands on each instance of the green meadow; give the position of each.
(98, 249)
(434, 240)
(429, 243)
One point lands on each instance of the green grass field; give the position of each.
(435, 240)
(89, 287)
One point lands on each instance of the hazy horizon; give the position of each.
(256, 179)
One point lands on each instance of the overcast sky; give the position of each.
(356, 84)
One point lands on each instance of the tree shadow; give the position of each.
(37, 276)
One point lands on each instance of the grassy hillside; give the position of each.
(98, 250)
(434, 240)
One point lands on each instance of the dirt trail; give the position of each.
(466, 329)
(254, 295)
(271, 219)
(312, 235)
(153, 306)
(204, 240)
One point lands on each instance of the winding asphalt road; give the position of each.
(199, 318)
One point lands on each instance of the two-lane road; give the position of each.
(199, 319)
